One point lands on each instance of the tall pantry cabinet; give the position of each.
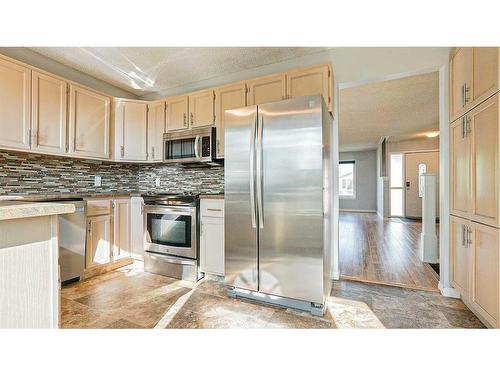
(474, 180)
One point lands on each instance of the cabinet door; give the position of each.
(266, 89)
(131, 130)
(227, 97)
(89, 123)
(212, 245)
(98, 241)
(156, 128)
(121, 228)
(201, 109)
(48, 113)
(483, 122)
(310, 81)
(485, 266)
(177, 113)
(15, 85)
(459, 169)
(485, 73)
(460, 255)
(460, 79)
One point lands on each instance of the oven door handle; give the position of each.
(197, 147)
(167, 210)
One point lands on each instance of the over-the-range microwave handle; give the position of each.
(197, 147)
(252, 171)
(260, 205)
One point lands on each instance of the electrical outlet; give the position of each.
(157, 181)
(97, 181)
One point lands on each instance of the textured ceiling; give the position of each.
(145, 70)
(401, 108)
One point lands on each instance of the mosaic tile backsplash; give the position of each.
(23, 173)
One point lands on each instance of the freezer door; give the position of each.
(290, 198)
(241, 267)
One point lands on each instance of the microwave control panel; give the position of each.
(205, 147)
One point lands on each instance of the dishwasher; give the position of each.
(72, 237)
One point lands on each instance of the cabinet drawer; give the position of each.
(212, 207)
(99, 207)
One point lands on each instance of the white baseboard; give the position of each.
(349, 210)
(448, 292)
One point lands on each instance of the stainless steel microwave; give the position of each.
(191, 147)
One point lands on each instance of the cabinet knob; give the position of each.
(192, 118)
(185, 122)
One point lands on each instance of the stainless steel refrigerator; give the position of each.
(277, 202)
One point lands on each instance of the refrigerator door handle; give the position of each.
(260, 209)
(252, 172)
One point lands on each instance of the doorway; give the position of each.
(406, 181)
(416, 164)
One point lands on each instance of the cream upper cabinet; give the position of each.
(89, 123)
(459, 169)
(485, 73)
(266, 89)
(310, 81)
(15, 85)
(227, 97)
(177, 113)
(201, 108)
(131, 130)
(121, 228)
(99, 240)
(484, 293)
(460, 255)
(474, 76)
(483, 123)
(460, 81)
(48, 113)
(156, 128)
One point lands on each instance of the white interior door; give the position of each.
(417, 163)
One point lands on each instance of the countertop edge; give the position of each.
(21, 210)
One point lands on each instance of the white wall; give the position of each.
(42, 62)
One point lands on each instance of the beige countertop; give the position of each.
(58, 196)
(18, 209)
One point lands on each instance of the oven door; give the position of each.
(170, 230)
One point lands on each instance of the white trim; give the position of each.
(448, 291)
(335, 275)
(356, 210)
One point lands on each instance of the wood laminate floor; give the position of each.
(383, 251)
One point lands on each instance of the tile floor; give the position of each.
(131, 298)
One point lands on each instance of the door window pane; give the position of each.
(422, 168)
(396, 170)
(347, 178)
(396, 202)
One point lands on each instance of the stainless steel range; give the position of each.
(171, 235)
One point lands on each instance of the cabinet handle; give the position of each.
(214, 209)
(465, 98)
(218, 146)
(469, 236)
(152, 152)
(185, 120)
(192, 118)
(122, 151)
(463, 127)
(467, 125)
(463, 235)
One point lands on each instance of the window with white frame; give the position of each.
(347, 179)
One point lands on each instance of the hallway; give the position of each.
(384, 252)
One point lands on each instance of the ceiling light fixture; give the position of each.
(432, 134)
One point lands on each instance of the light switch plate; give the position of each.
(97, 180)
(157, 181)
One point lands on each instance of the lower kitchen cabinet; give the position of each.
(212, 236)
(98, 249)
(475, 267)
(121, 228)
